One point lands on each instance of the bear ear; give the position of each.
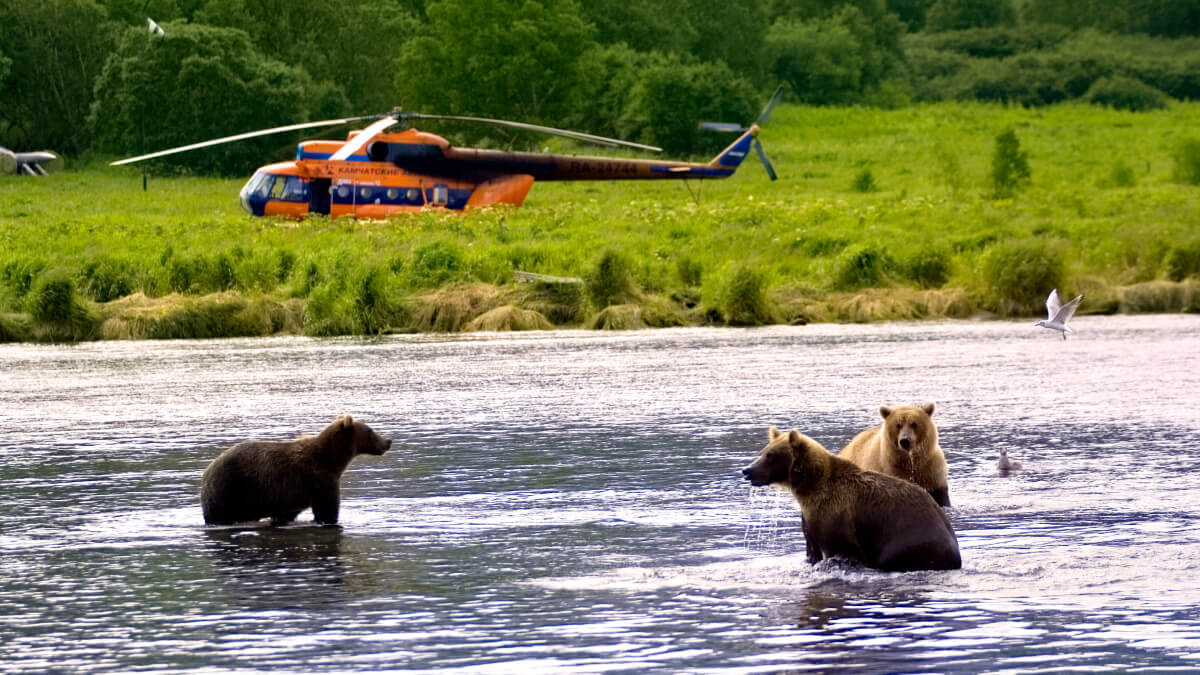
(884, 411)
(928, 408)
(346, 420)
(796, 439)
(773, 433)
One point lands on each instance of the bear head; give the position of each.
(364, 440)
(909, 427)
(792, 459)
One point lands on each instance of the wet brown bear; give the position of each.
(279, 479)
(904, 446)
(883, 522)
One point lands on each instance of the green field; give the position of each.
(877, 215)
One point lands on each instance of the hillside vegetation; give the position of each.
(877, 215)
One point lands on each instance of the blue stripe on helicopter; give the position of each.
(693, 171)
(300, 154)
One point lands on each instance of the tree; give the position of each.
(1010, 165)
(57, 48)
(671, 97)
(346, 47)
(195, 82)
(516, 59)
(963, 14)
(834, 59)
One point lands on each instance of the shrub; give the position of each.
(1187, 162)
(1125, 93)
(610, 282)
(1020, 274)
(862, 267)
(1122, 175)
(1010, 165)
(1184, 261)
(929, 267)
(744, 298)
(864, 182)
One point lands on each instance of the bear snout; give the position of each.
(755, 477)
(906, 443)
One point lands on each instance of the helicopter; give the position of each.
(377, 172)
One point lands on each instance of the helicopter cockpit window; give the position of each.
(294, 189)
(277, 188)
(260, 185)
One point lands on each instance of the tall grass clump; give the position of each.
(435, 264)
(1010, 165)
(743, 298)
(864, 182)
(866, 266)
(610, 281)
(1184, 261)
(58, 311)
(1018, 275)
(1187, 162)
(107, 278)
(929, 267)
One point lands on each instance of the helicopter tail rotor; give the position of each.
(729, 127)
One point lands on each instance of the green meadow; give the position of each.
(877, 215)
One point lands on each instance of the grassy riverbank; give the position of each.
(877, 215)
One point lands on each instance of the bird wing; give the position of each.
(1052, 304)
(1064, 313)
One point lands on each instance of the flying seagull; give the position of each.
(1059, 314)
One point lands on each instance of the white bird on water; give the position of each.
(1059, 314)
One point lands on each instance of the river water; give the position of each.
(570, 502)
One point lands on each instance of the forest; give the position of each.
(88, 78)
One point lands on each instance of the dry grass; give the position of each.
(1161, 296)
(228, 314)
(618, 317)
(451, 309)
(509, 318)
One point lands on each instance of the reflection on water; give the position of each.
(569, 501)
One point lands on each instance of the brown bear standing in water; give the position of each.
(279, 479)
(904, 446)
(883, 522)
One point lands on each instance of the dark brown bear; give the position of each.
(883, 522)
(279, 479)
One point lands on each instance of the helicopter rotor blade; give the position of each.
(722, 126)
(240, 137)
(362, 138)
(762, 155)
(577, 135)
(762, 117)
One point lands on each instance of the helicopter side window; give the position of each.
(413, 195)
(277, 188)
(343, 193)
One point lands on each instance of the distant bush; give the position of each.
(929, 267)
(1187, 162)
(866, 266)
(864, 182)
(1125, 93)
(744, 299)
(610, 282)
(1010, 165)
(1184, 261)
(991, 43)
(1122, 175)
(1018, 275)
(962, 14)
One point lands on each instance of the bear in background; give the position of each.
(904, 446)
(880, 521)
(279, 479)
